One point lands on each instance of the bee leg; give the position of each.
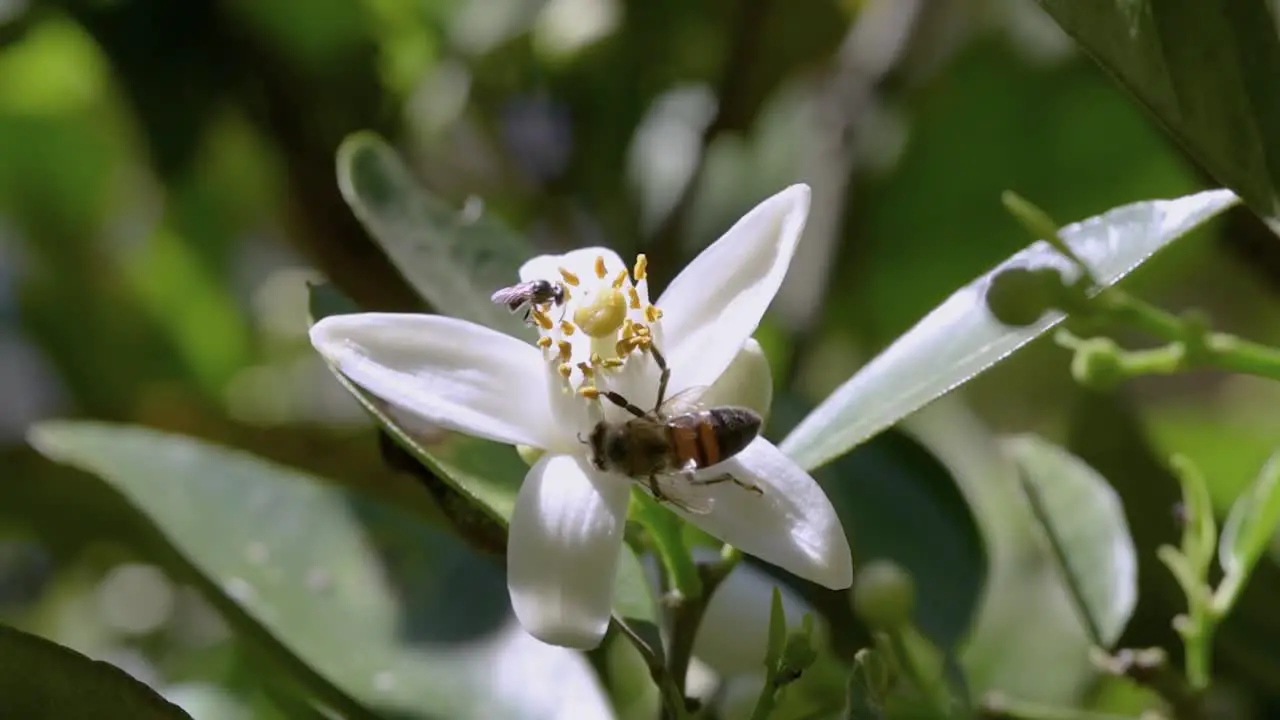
(726, 478)
(664, 378)
(657, 491)
(623, 403)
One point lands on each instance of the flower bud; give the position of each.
(883, 595)
(1097, 363)
(1020, 296)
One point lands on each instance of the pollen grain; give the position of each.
(569, 277)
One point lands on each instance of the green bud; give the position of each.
(1097, 363)
(884, 595)
(797, 656)
(1020, 296)
(529, 455)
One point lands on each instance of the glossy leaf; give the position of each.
(961, 338)
(453, 259)
(395, 616)
(40, 678)
(1025, 616)
(1206, 69)
(1252, 522)
(1082, 520)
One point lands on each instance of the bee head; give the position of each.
(557, 293)
(596, 441)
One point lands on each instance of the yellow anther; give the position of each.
(595, 359)
(566, 370)
(652, 313)
(587, 370)
(589, 392)
(619, 279)
(603, 316)
(567, 294)
(542, 318)
(613, 363)
(600, 268)
(642, 330)
(624, 347)
(643, 342)
(569, 279)
(642, 267)
(566, 350)
(635, 297)
(544, 342)
(567, 327)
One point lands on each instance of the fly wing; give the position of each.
(686, 401)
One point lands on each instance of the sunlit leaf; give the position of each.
(39, 679)
(453, 259)
(960, 338)
(1084, 524)
(1253, 521)
(383, 613)
(1206, 69)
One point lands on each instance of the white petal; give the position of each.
(449, 372)
(792, 525)
(734, 633)
(747, 382)
(562, 551)
(581, 261)
(717, 301)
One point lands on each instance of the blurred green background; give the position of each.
(167, 189)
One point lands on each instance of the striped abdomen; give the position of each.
(711, 436)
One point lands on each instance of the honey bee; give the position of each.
(528, 295)
(666, 446)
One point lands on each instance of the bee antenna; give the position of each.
(581, 439)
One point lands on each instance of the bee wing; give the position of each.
(677, 490)
(686, 401)
(509, 295)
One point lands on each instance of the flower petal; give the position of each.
(747, 382)
(562, 551)
(581, 261)
(449, 372)
(791, 525)
(717, 301)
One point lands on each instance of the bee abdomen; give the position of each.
(736, 427)
(712, 436)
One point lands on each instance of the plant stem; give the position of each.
(686, 615)
(1003, 708)
(938, 700)
(672, 696)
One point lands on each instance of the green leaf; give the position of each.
(1083, 521)
(1206, 69)
(453, 259)
(777, 633)
(1252, 521)
(960, 338)
(40, 678)
(373, 610)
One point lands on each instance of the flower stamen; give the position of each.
(596, 359)
(635, 297)
(601, 271)
(565, 370)
(543, 319)
(566, 351)
(569, 278)
(642, 267)
(590, 392)
(567, 327)
(652, 313)
(613, 363)
(619, 279)
(544, 342)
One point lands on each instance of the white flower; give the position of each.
(567, 526)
